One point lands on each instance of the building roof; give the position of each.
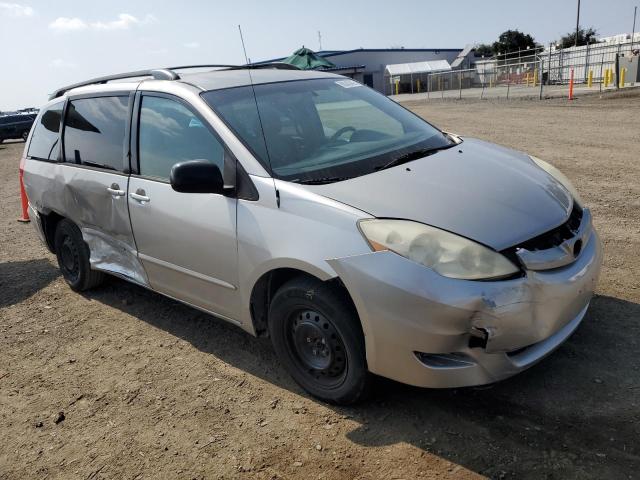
(418, 67)
(344, 52)
(462, 55)
(335, 53)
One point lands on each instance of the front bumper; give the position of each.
(419, 326)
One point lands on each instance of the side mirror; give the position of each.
(196, 176)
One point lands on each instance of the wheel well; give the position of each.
(49, 224)
(266, 287)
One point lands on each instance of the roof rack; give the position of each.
(167, 74)
(259, 66)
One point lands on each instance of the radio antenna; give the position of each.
(243, 47)
(255, 98)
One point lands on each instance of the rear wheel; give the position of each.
(317, 335)
(73, 258)
(25, 135)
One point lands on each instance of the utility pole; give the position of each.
(577, 25)
(633, 32)
(319, 41)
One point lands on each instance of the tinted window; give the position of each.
(316, 130)
(94, 131)
(44, 141)
(170, 133)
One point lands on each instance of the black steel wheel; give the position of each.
(318, 346)
(25, 135)
(317, 335)
(73, 257)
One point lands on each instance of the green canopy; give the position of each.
(306, 59)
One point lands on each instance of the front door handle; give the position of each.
(140, 195)
(114, 190)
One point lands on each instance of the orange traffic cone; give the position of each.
(23, 197)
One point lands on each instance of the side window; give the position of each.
(44, 141)
(170, 133)
(94, 132)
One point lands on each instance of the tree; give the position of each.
(484, 50)
(512, 41)
(585, 37)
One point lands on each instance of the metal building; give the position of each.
(368, 65)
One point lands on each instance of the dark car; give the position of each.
(15, 126)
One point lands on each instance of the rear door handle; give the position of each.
(114, 190)
(139, 198)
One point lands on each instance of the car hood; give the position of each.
(485, 192)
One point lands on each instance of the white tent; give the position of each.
(417, 67)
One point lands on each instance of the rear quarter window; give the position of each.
(94, 131)
(45, 137)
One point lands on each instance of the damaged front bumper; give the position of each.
(427, 330)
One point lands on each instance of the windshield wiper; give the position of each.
(414, 155)
(320, 181)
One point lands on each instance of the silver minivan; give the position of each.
(306, 207)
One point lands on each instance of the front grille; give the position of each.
(549, 239)
(555, 237)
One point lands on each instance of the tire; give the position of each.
(24, 136)
(317, 336)
(73, 258)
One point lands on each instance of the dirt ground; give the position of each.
(153, 389)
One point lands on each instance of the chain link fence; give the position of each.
(526, 73)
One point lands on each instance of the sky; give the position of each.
(47, 44)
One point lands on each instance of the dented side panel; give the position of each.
(80, 194)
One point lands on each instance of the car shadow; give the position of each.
(574, 415)
(21, 279)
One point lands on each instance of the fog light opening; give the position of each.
(445, 360)
(577, 248)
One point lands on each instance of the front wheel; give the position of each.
(317, 335)
(73, 258)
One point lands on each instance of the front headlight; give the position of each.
(559, 176)
(448, 254)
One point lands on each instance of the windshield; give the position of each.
(323, 129)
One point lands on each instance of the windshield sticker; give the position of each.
(348, 83)
(194, 122)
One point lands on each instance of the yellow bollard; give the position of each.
(590, 79)
(605, 80)
(418, 85)
(535, 77)
(397, 82)
(622, 73)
